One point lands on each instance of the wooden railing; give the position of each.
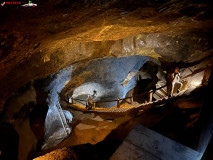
(149, 93)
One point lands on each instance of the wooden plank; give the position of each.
(159, 146)
(129, 151)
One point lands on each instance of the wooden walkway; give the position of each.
(125, 109)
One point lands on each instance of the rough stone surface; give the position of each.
(34, 46)
(19, 112)
(106, 76)
(37, 43)
(55, 122)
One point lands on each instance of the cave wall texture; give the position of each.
(38, 42)
(56, 49)
(106, 76)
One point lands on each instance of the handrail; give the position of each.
(79, 102)
(145, 93)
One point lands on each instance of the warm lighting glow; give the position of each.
(196, 83)
(196, 79)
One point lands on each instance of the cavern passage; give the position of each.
(92, 79)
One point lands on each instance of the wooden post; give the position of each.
(131, 100)
(94, 105)
(118, 103)
(150, 95)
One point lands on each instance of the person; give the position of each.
(176, 77)
(89, 102)
(94, 94)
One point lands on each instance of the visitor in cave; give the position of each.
(94, 94)
(176, 77)
(89, 102)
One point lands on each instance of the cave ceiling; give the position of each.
(36, 42)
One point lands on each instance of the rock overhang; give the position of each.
(173, 30)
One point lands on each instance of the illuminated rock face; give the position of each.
(35, 47)
(56, 124)
(35, 44)
(106, 76)
(173, 47)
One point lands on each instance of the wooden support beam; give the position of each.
(150, 95)
(131, 100)
(118, 103)
(94, 103)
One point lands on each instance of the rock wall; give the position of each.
(106, 76)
